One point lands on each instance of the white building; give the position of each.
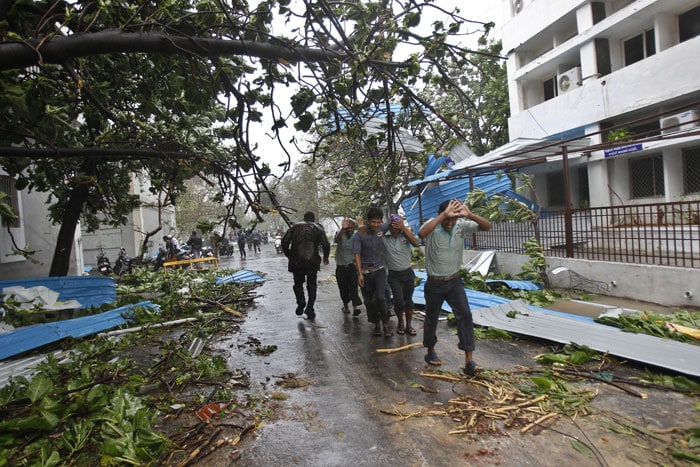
(580, 67)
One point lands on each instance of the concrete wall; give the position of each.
(667, 286)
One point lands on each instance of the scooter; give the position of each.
(103, 264)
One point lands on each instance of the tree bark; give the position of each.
(60, 48)
(64, 243)
(66, 234)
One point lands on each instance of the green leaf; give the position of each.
(39, 387)
(542, 382)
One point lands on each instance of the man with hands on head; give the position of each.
(444, 243)
(399, 241)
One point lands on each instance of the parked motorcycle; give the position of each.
(207, 252)
(123, 264)
(104, 266)
(162, 257)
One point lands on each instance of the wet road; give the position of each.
(337, 419)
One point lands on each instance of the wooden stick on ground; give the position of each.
(399, 349)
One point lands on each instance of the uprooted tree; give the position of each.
(92, 92)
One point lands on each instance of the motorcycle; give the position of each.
(162, 257)
(104, 266)
(123, 264)
(207, 252)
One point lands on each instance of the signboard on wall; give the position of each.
(623, 150)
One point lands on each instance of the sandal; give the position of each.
(378, 331)
(400, 330)
(388, 332)
(472, 369)
(356, 312)
(432, 359)
(410, 331)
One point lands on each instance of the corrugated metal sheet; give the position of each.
(665, 353)
(88, 290)
(32, 337)
(436, 193)
(243, 275)
(492, 311)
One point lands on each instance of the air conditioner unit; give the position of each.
(680, 122)
(569, 79)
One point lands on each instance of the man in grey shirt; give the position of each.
(398, 244)
(444, 241)
(345, 270)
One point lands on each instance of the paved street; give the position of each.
(337, 420)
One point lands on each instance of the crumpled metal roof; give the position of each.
(493, 311)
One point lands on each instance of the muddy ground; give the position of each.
(331, 400)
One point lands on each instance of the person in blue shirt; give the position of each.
(444, 243)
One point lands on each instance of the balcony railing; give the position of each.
(666, 234)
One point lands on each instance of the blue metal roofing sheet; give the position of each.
(88, 290)
(31, 337)
(241, 276)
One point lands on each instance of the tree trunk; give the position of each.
(64, 243)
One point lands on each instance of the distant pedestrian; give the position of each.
(242, 238)
(371, 273)
(399, 241)
(345, 270)
(195, 242)
(443, 236)
(256, 238)
(301, 244)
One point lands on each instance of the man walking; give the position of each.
(399, 241)
(196, 242)
(371, 273)
(444, 243)
(301, 245)
(345, 270)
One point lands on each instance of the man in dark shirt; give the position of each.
(371, 274)
(301, 245)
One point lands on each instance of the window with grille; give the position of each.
(691, 170)
(647, 176)
(689, 24)
(7, 186)
(639, 47)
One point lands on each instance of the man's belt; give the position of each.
(370, 269)
(443, 278)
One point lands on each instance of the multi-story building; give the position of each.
(600, 68)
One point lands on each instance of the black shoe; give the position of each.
(356, 312)
(310, 314)
(300, 310)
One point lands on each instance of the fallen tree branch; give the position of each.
(399, 349)
(221, 306)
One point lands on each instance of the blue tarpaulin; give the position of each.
(32, 337)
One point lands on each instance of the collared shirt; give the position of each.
(444, 250)
(397, 251)
(343, 250)
(369, 246)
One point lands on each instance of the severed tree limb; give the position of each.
(538, 421)
(399, 349)
(221, 306)
(453, 379)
